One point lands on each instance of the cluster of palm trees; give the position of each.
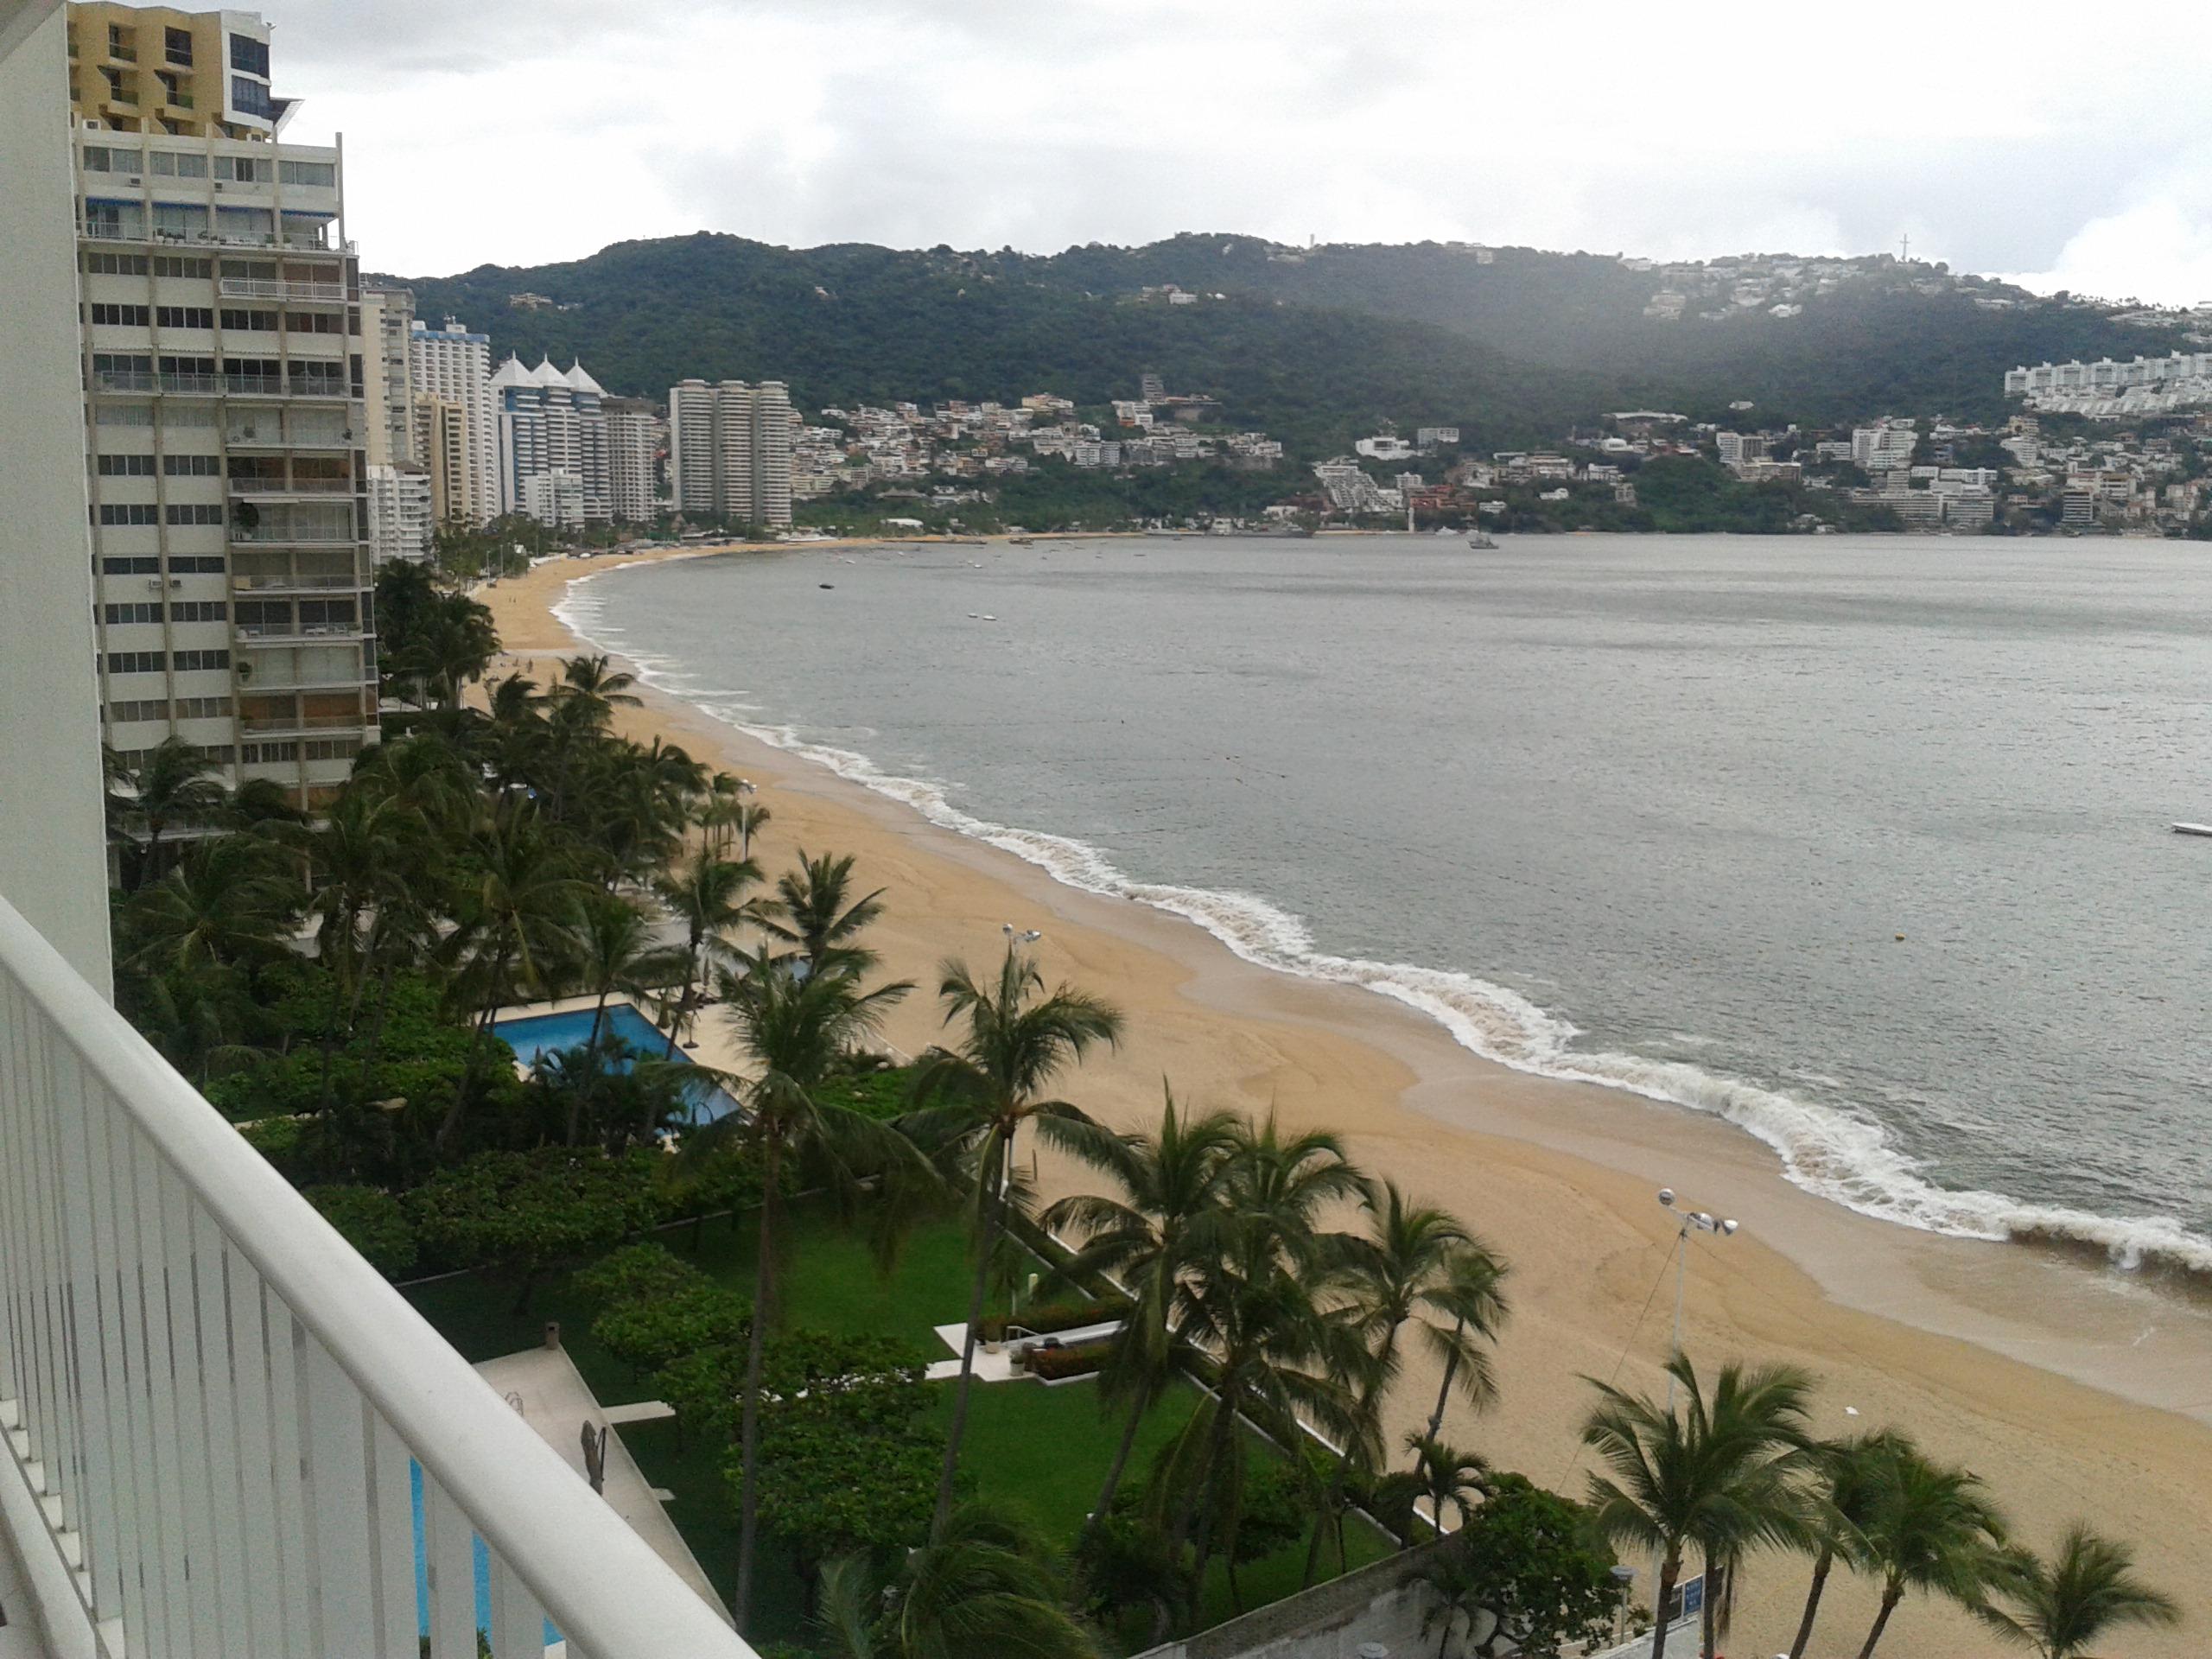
(1721, 1471)
(1219, 1227)
(502, 854)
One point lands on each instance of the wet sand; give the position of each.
(2074, 1391)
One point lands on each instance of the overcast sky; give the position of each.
(2065, 146)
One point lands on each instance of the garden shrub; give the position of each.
(371, 1221)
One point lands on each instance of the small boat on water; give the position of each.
(2193, 829)
(1481, 543)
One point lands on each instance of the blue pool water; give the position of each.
(481, 1564)
(540, 1034)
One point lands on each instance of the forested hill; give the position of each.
(1314, 346)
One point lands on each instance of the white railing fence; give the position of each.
(220, 1421)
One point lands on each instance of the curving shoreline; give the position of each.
(1983, 1350)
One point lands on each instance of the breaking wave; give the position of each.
(1834, 1152)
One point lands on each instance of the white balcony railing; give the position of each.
(267, 287)
(214, 1412)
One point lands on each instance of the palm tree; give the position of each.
(1846, 1480)
(988, 1586)
(797, 1031)
(2058, 1607)
(590, 690)
(1017, 1038)
(614, 950)
(1171, 1213)
(171, 789)
(1451, 1480)
(517, 893)
(228, 903)
(706, 894)
(1421, 1268)
(1930, 1527)
(811, 912)
(1711, 1473)
(1458, 1599)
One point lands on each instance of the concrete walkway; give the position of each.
(556, 1403)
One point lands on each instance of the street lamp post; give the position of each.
(1693, 1221)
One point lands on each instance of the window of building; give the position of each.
(145, 612)
(128, 512)
(203, 708)
(172, 364)
(136, 662)
(196, 564)
(195, 512)
(323, 174)
(170, 265)
(115, 264)
(317, 615)
(250, 54)
(108, 158)
(331, 748)
(250, 97)
(263, 754)
(179, 220)
(315, 322)
(181, 415)
(200, 610)
(142, 709)
(188, 660)
(119, 316)
(103, 218)
(122, 415)
(176, 47)
(125, 466)
(145, 565)
(259, 322)
(184, 316)
(193, 466)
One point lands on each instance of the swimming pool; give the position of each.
(537, 1034)
(480, 1562)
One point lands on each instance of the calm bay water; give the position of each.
(1652, 811)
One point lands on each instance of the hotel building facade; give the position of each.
(227, 433)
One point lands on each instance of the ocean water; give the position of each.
(1860, 843)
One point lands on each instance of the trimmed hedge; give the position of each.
(1058, 1364)
(1047, 1317)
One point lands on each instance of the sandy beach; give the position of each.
(2075, 1392)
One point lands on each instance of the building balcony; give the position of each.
(221, 1431)
(279, 486)
(193, 386)
(262, 288)
(268, 633)
(292, 584)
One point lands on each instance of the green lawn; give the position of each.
(1046, 1449)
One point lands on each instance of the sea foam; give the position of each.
(1835, 1153)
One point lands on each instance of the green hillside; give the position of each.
(1312, 344)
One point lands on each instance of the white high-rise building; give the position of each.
(387, 322)
(227, 423)
(730, 450)
(451, 365)
(401, 523)
(550, 421)
(634, 432)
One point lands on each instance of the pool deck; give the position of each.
(558, 1402)
(707, 1043)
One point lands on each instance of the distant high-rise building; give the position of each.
(550, 421)
(633, 439)
(401, 521)
(730, 450)
(227, 422)
(154, 70)
(387, 321)
(1151, 388)
(451, 365)
(445, 437)
(400, 518)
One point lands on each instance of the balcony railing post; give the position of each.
(225, 1410)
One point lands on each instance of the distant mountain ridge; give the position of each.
(1312, 344)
